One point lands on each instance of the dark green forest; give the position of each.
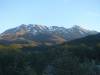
(78, 57)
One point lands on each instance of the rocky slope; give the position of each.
(38, 34)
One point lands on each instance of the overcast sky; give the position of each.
(85, 13)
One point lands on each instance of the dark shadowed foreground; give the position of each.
(79, 57)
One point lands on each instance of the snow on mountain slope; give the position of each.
(45, 34)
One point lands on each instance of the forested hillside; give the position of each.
(78, 57)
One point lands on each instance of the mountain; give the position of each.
(77, 57)
(38, 34)
(83, 53)
(92, 40)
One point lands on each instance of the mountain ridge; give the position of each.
(44, 34)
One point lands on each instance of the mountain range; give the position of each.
(79, 53)
(38, 34)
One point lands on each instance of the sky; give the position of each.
(85, 13)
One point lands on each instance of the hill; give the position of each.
(77, 57)
(38, 34)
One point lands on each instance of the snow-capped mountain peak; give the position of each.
(42, 33)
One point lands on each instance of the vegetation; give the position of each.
(74, 58)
